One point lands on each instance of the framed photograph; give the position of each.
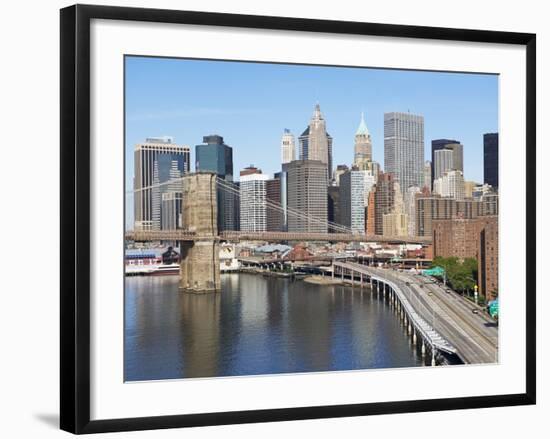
(274, 218)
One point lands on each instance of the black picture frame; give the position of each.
(75, 217)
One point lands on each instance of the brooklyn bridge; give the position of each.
(199, 237)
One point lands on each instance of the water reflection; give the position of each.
(257, 325)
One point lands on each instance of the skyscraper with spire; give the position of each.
(315, 143)
(363, 145)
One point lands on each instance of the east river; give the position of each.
(257, 325)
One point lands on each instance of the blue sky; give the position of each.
(250, 104)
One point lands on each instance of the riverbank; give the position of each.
(268, 273)
(320, 280)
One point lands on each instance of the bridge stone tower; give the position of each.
(200, 262)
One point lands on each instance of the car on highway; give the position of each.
(475, 310)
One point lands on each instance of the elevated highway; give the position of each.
(472, 334)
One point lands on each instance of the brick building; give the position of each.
(471, 238)
(432, 208)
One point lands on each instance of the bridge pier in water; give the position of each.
(199, 259)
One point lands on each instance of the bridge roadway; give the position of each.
(186, 235)
(474, 336)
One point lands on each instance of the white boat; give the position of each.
(165, 269)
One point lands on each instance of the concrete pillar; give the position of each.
(423, 348)
(414, 337)
(199, 260)
(433, 356)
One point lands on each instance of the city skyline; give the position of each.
(165, 97)
(300, 188)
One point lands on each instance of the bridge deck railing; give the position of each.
(188, 235)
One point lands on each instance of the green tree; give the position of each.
(471, 264)
(460, 275)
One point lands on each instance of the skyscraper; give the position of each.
(490, 159)
(450, 144)
(315, 143)
(333, 206)
(428, 175)
(156, 161)
(363, 145)
(288, 146)
(443, 162)
(274, 215)
(307, 183)
(340, 169)
(395, 223)
(384, 200)
(215, 156)
(253, 195)
(404, 148)
(352, 200)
